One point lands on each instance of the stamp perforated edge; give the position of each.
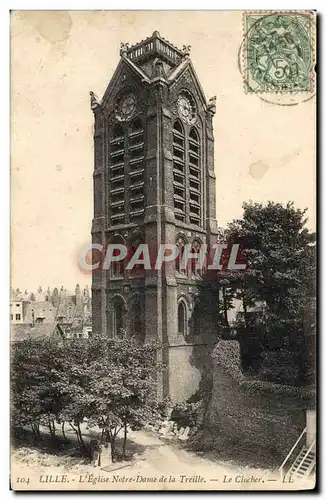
(242, 55)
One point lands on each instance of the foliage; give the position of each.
(280, 367)
(106, 382)
(280, 275)
(164, 408)
(36, 379)
(123, 386)
(188, 414)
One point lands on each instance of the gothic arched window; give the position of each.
(136, 138)
(119, 313)
(179, 180)
(117, 268)
(117, 132)
(194, 164)
(181, 246)
(177, 127)
(117, 144)
(195, 249)
(182, 318)
(193, 135)
(135, 240)
(136, 127)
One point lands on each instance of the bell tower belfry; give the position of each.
(154, 183)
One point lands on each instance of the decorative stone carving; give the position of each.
(212, 104)
(124, 47)
(186, 50)
(94, 100)
(158, 70)
(186, 107)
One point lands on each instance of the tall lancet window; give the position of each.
(194, 165)
(179, 179)
(195, 249)
(182, 318)
(117, 267)
(117, 175)
(119, 316)
(135, 240)
(178, 261)
(136, 170)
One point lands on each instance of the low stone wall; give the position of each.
(258, 416)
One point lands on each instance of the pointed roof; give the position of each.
(185, 66)
(176, 71)
(41, 309)
(123, 63)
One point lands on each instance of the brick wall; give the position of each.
(260, 417)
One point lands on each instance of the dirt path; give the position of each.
(162, 463)
(169, 458)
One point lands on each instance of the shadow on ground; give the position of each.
(67, 451)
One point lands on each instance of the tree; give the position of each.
(76, 399)
(107, 382)
(123, 387)
(37, 377)
(280, 257)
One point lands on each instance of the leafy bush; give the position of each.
(279, 367)
(188, 414)
(109, 383)
(279, 281)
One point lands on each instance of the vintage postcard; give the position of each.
(163, 298)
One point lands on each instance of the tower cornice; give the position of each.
(155, 46)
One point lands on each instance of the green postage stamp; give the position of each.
(278, 51)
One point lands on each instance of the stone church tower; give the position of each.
(154, 183)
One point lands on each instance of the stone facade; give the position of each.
(249, 414)
(154, 183)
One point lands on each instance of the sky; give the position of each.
(263, 151)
